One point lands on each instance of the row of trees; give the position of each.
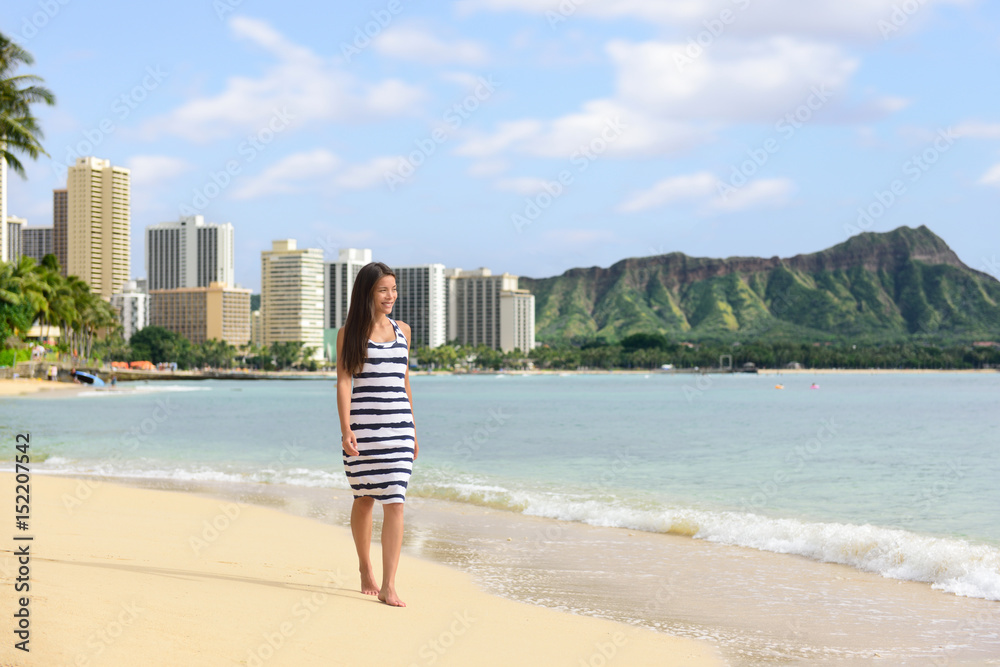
(31, 292)
(653, 350)
(159, 345)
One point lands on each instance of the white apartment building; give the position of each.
(189, 253)
(484, 309)
(15, 230)
(422, 302)
(132, 304)
(338, 282)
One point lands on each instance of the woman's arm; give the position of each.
(349, 441)
(406, 382)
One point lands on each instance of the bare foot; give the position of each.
(368, 585)
(390, 598)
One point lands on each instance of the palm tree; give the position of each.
(19, 130)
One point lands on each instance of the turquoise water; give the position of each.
(892, 473)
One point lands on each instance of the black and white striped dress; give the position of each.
(382, 420)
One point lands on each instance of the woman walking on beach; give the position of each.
(376, 420)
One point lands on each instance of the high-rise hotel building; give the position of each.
(189, 253)
(3, 210)
(98, 224)
(60, 216)
(338, 281)
(291, 295)
(217, 311)
(36, 242)
(484, 309)
(422, 302)
(15, 230)
(132, 304)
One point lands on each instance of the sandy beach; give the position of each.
(26, 386)
(184, 579)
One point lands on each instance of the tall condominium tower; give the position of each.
(132, 305)
(98, 224)
(338, 281)
(15, 227)
(422, 303)
(291, 295)
(36, 242)
(3, 210)
(60, 204)
(484, 309)
(189, 253)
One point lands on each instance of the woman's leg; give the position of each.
(392, 543)
(361, 528)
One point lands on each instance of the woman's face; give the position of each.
(385, 295)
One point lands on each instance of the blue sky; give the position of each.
(529, 136)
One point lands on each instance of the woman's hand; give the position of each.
(416, 448)
(349, 442)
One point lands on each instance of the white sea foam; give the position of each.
(948, 564)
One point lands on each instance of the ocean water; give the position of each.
(893, 474)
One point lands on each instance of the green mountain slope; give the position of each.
(891, 285)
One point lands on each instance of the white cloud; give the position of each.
(695, 186)
(489, 168)
(523, 185)
(765, 192)
(991, 177)
(663, 107)
(306, 86)
(837, 19)
(151, 170)
(600, 127)
(707, 189)
(367, 175)
(290, 174)
(413, 44)
(741, 82)
(976, 130)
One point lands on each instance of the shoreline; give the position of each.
(754, 607)
(209, 583)
(35, 387)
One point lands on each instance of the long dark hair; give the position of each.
(361, 316)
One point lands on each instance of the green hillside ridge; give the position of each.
(881, 286)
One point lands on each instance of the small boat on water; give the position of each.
(814, 386)
(88, 378)
(779, 386)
